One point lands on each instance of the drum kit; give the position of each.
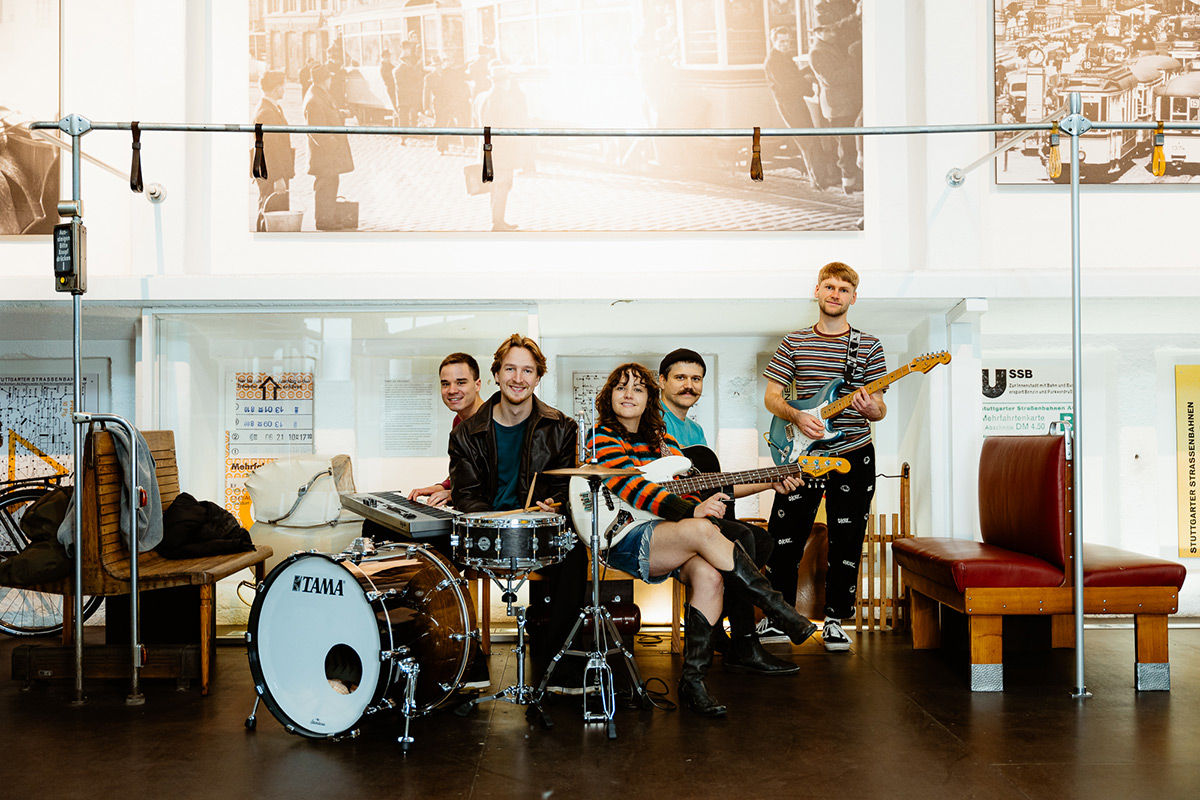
(334, 639)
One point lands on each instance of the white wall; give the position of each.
(925, 247)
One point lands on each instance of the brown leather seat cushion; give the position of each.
(962, 564)
(1112, 566)
(1022, 495)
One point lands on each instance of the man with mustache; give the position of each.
(681, 381)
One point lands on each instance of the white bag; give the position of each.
(301, 491)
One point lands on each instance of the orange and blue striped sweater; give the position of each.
(617, 448)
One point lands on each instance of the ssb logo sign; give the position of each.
(996, 387)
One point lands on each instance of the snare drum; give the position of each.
(331, 639)
(512, 543)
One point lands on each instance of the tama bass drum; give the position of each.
(332, 639)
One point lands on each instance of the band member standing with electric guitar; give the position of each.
(685, 542)
(812, 359)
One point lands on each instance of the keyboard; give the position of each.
(394, 510)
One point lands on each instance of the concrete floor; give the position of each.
(880, 721)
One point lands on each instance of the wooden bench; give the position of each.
(1024, 566)
(106, 558)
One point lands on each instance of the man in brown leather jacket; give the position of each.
(497, 454)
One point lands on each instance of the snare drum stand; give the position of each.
(521, 693)
(597, 675)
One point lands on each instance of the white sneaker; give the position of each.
(834, 636)
(768, 632)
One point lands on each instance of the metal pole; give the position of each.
(1075, 124)
(77, 132)
(135, 697)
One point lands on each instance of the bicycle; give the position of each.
(24, 612)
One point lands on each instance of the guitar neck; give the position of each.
(842, 403)
(715, 480)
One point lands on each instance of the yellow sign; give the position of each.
(1187, 397)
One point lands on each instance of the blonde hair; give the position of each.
(836, 269)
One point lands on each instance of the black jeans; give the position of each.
(847, 506)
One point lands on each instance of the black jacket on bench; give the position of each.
(200, 528)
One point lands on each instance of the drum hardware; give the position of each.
(388, 655)
(325, 656)
(598, 672)
(519, 693)
(360, 548)
(384, 705)
(448, 582)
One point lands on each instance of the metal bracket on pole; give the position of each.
(74, 125)
(1075, 124)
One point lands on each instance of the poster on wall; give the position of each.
(1187, 396)
(1023, 396)
(409, 422)
(589, 374)
(268, 416)
(35, 422)
(29, 162)
(1130, 62)
(628, 64)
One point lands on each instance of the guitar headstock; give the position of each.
(820, 465)
(929, 361)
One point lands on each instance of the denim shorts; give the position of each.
(632, 553)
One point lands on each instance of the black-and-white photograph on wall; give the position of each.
(29, 162)
(1130, 60)
(564, 64)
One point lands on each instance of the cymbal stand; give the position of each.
(597, 675)
(520, 693)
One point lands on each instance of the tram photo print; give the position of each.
(573, 64)
(1130, 61)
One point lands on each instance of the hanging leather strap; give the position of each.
(488, 173)
(135, 169)
(756, 173)
(1158, 161)
(259, 168)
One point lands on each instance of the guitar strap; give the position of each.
(851, 353)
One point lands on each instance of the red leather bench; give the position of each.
(1023, 566)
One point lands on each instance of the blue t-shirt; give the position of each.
(508, 464)
(686, 431)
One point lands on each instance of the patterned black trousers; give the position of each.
(847, 506)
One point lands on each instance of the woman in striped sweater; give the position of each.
(684, 543)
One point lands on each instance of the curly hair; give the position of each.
(651, 427)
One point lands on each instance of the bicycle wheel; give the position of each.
(24, 612)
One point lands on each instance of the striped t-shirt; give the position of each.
(615, 449)
(813, 359)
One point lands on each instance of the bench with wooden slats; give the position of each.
(106, 558)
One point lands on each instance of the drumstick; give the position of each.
(525, 510)
(529, 497)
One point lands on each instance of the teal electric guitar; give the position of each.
(785, 439)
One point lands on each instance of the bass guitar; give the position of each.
(787, 442)
(615, 514)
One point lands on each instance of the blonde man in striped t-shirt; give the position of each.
(810, 359)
